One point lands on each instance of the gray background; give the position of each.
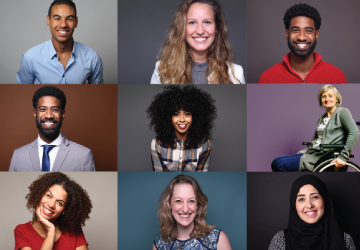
(24, 26)
(134, 136)
(282, 116)
(142, 32)
(337, 43)
(268, 204)
(100, 231)
(140, 192)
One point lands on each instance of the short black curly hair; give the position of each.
(59, 2)
(189, 98)
(49, 91)
(302, 9)
(78, 206)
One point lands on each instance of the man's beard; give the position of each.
(301, 53)
(49, 132)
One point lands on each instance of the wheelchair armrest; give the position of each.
(307, 144)
(334, 146)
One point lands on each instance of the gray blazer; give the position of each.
(341, 129)
(70, 157)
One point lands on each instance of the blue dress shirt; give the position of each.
(40, 64)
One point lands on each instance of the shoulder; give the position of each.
(207, 144)
(155, 79)
(23, 227)
(238, 72)
(349, 242)
(331, 69)
(86, 51)
(154, 143)
(278, 241)
(215, 238)
(161, 244)
(344, 112)
(269, 74)
(25, 148)
(34, 51)
(76, 146)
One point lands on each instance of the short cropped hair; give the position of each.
(302, 9)
(336, 92)
(167, 222)
(59, 2)
(49, 91)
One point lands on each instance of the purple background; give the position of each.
(280, 117)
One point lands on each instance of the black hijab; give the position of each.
(322, 235)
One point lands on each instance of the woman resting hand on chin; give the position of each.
(60, 208)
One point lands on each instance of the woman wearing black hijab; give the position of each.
(312, 223)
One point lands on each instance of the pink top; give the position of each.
(26, 236)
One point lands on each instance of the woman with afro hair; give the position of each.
(196, 49)
(60, 207)
(183, 119)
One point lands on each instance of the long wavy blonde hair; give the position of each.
(167, 222)
(176, 59)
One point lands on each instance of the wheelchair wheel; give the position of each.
(326, 166)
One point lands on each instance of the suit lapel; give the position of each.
(61, 154)
(34, 155)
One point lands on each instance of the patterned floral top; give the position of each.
(278, 242)
(206, 242)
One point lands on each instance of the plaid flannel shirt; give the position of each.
(164, 158)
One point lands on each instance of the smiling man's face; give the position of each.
(62, 22)
(302, 36)
(49, 116)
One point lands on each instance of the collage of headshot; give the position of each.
(255, 102)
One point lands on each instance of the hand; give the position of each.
(48, 226)
(339, 163)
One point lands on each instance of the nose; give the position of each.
(52, 203)
(49, 114)
(200, 29)
(301, 35)
(182, 118)
(185, 207)
(63, 23)
(309, 204)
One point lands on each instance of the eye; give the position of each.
(48, 195)
(177, 201)
(207, 22)
(176, 114)
(301, 200)
(192, 201)
(55, 110)
(315, 197)
(60, 203)
(188, 114)
(42, 109)
(192, 22)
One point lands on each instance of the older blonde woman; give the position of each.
(182, 212)
(336, 126)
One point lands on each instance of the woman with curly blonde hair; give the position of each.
(196, 49)
(182, 215)
(60, 208)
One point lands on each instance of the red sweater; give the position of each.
(320, 72)
(26, 236)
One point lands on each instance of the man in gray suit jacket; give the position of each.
(51, 151)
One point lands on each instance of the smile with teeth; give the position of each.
(200, 39)
(302, 45)
(47, 212)
(182, 126)
(311, 213)
(184, 215)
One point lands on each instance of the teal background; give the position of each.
(139, 194)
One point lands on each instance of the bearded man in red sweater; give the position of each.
(302, 64)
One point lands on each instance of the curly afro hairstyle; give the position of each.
(302, 9)
(189, 98)
(49, 91)
(78, 206)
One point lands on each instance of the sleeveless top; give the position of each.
(206, 242)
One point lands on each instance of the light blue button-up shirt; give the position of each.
(40, 64)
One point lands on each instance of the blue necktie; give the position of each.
(46, 158)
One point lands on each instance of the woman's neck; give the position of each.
(200, 56)
(330, 111)
(183, 233)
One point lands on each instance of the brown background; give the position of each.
(90, 120)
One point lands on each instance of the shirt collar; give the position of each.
(56, 142)
(286, 59)
(53, 51)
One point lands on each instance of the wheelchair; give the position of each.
(324, 163)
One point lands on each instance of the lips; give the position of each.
(47, 211)
(200, 39)
(48, 124)
(184, 216)
(182, 126)
(302, 45)
(62, 32)
(311, 213)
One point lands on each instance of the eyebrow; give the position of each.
(304, 194)
(52, 195)
(297, 27)
(66, 17)
(48, 106)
